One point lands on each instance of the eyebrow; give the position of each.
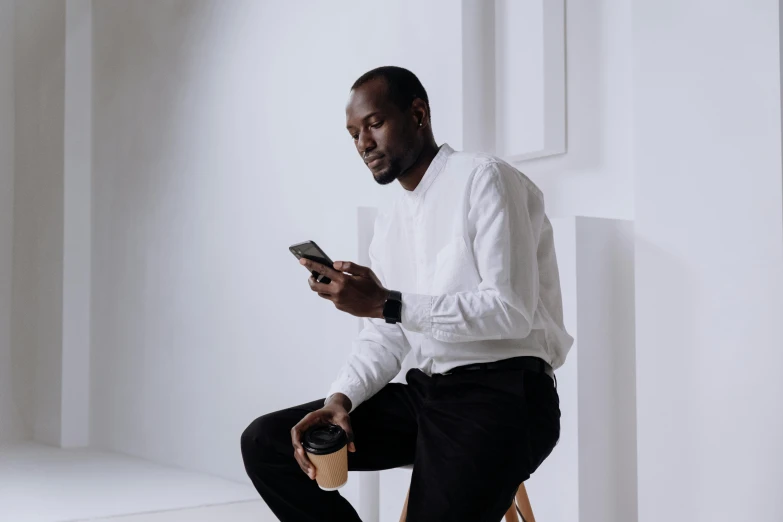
(366, 118)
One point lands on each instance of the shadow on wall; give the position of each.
(606, 370)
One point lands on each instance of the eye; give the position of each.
(377, 125)
(355, 137)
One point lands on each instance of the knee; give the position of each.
(257, 441)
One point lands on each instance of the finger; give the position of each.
(351, 268)
(301, 458)
(299, 452)
(321, 288)
(304, 463)
(321, 269)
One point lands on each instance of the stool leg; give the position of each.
(511, 514)
(404, 514)
(523, 503)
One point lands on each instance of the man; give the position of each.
(464, 277)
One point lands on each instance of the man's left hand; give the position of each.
(354, 288)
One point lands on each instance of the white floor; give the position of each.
(44, 484)
(253, 511)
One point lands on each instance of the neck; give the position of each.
(410, 180)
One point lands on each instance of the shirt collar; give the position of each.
(436, 166)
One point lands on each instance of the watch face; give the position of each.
(392, 309)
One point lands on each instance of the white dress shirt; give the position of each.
(472, 252)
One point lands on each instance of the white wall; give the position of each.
(11, 428)
(196, 147)
(219, 141)
(38, 215)
(709, 260)
(595, 177)
(203, 178)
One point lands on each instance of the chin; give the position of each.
(384, 177)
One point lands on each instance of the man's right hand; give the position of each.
(334, 412)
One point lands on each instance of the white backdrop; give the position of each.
(709, 260)
(595, 177)
(219, 141)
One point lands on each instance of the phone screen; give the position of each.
(309, 250)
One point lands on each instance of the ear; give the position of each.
(420, 113)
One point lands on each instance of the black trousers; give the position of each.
(473, 438)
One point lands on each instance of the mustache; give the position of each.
(371, 157)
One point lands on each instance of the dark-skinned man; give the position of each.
(464, 281)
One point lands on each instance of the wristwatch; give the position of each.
(392, 309)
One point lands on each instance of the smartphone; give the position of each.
(309, 250)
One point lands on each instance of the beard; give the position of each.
(389, 174)
(385, 177)
(398, 164)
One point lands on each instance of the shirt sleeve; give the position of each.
(505, 220)
(376, 356)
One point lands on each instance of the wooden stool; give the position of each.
(520, 505)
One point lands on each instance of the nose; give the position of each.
(365, 143)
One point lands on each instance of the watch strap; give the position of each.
(392, 309)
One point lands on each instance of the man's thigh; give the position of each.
(474, 446)
(384, 429)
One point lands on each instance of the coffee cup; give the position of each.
(327, 449)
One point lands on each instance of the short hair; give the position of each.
(403, 86)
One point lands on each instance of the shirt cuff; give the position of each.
(417, 313)
(352, 391)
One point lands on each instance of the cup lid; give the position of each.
(321, 440)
